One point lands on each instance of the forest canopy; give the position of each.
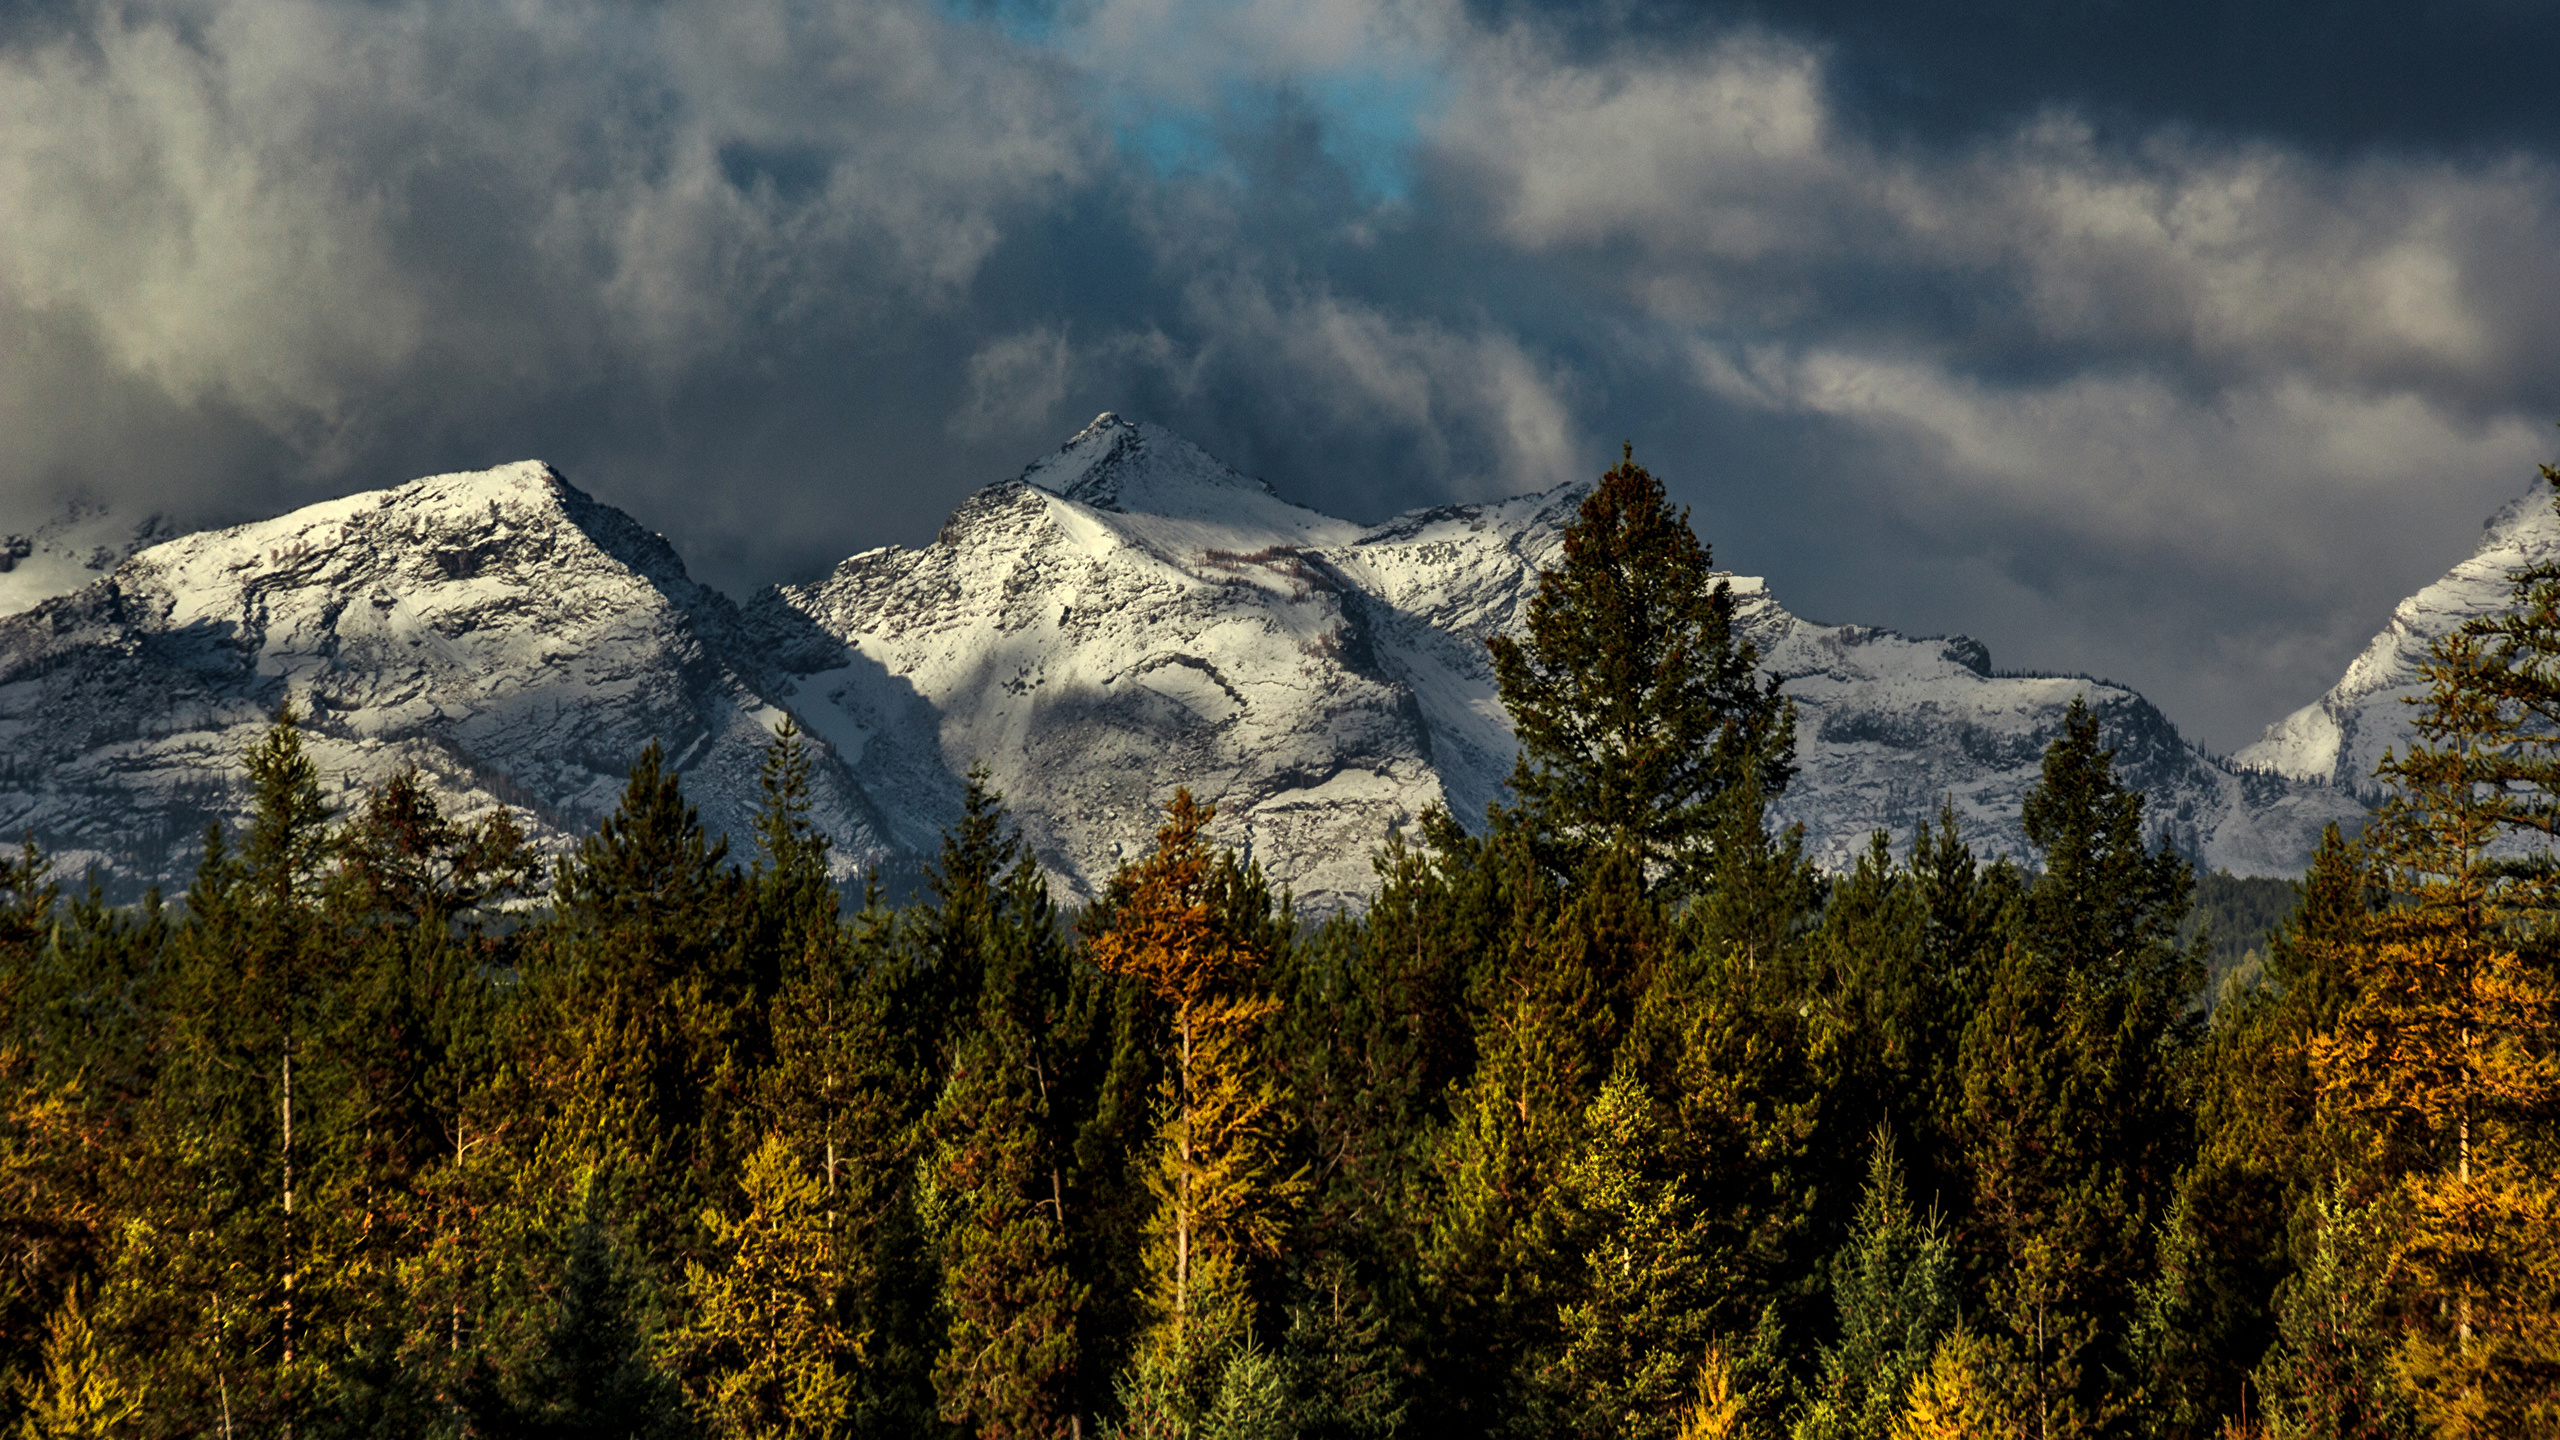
(1610, 1117)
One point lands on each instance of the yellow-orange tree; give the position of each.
(1220, 1196)
(2442, 1059)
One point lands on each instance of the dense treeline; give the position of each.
(1614, 1118)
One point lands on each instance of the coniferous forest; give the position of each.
(1609, 1117)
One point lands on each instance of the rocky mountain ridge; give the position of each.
(1127, 615)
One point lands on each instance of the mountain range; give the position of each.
(1127, 615)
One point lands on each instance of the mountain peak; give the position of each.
(2519, 522)
(1136, 468)
(1152, 476)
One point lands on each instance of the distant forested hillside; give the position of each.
(2238, 913)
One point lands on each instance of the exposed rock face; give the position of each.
(2341, 736)
(1128, 615)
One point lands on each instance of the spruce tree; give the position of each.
(847, 1092)
(2240, 1223)
(1645, 1298)
(647, 1017)
(1001, 1133)
(238, 1101)
(793, 896)
(1371, 1038)
(2072, 1124)
(595, 1369)
(1642, 718)
(1894, 1287)
(1499, 1260)
(2328, 1374)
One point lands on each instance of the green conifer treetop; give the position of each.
(1636, 708)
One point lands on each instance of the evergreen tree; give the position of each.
(1499, 1262)
(1645, 1302)
(1371, 1038)
(653, 890)
(1638, 712)
(2073, 1126)
(1973, 912)
(413, 1037)
(2239, 1224)
(1870, 974)
(1894, 1287)
(1346, 1372)
(28, 898)
(51, 1222)
(2327, 1375)
(595, 1370)
(1002, 1133)
(847, 1088)
(645, 1022)
(402, 864)
(230, 1261)
(794, 897)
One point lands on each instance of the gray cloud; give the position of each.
(2185, 401)
(2280, 383)
(346, 223)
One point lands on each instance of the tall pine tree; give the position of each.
(1638, 710)
(2444, 1055)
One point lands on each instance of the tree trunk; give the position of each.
(1182, 1186)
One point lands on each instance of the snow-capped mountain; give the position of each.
(502, 631)
(2342, 735)
(1888, 728)
(1131, 614)
(1128, 615)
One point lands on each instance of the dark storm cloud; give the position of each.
(2330, 76)
(2173, 343)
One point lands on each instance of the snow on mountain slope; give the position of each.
(1889, 728)
(1321, 684)
(1127, 616)
(1324, 684)
(2341, 736)
(511, 637)
(71, 550)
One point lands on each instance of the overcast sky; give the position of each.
(2170, 342)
